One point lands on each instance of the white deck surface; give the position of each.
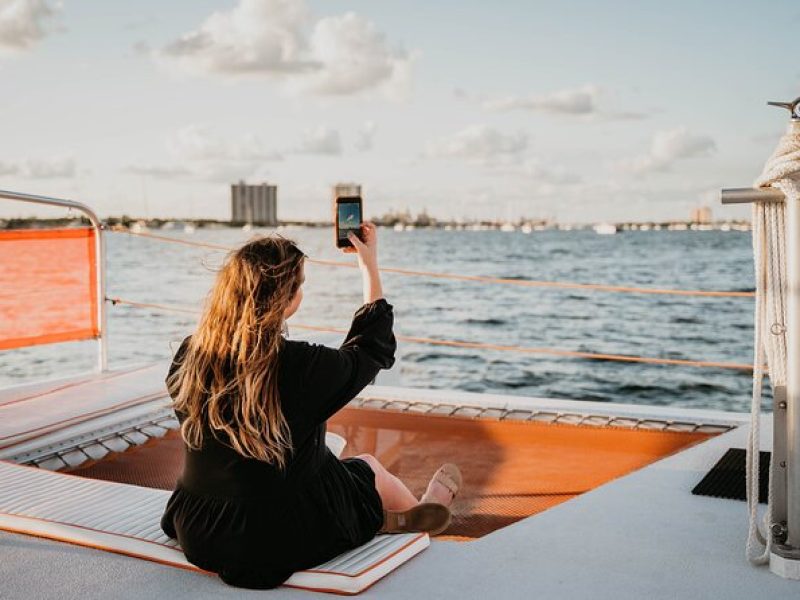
(641, 536)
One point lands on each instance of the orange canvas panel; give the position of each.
(48, 286)
(512, 469)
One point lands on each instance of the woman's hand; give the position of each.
(368, 249)
(368, 261)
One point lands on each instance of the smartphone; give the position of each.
(348, 218)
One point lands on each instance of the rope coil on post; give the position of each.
(782, 171)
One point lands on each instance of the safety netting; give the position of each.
(511, 469)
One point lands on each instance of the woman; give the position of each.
(261, 496)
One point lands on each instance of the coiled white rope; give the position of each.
(782, 171)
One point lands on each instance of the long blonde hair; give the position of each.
(227, 377)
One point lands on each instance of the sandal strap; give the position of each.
(447, 482)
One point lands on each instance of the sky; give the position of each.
(574, 111)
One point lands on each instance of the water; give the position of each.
(718, 329)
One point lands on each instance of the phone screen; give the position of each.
(348, 219)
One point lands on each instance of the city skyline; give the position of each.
(577, 112)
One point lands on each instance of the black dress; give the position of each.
(254, 524)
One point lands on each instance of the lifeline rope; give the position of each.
(596, 287)
(782, 171)
(478, 345)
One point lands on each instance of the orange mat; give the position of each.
(48, 286)
(512, 469)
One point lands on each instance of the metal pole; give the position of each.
(748, 195)
(100, 253)
(792, 371)
(784, 558)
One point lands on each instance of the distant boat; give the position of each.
(247, 227)
(188, 228)
(138, 226)
(526, 228)
(399, 227)
(507, 227)
(605, 229)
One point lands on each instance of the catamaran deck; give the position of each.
(641, 535)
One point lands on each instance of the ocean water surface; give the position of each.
(683, 327)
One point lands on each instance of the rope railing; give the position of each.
(478, 345)
(596, 287)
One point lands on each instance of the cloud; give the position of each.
(580, 101)
(23, 22)
(56, 168)
(336, 55)
(354, 56)
(159, 172)
(479, 143)
(543, 173)
(198, 151)
(365, 136)
(321, 140)
(667, 148)
(200, 143)
(256, 36)
(38, 168)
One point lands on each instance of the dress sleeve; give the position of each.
(332, 377)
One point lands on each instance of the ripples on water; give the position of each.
(718, 329)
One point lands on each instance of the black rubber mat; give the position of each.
(727, 478)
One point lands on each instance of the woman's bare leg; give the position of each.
(393, 492)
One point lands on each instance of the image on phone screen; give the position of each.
(349, 218)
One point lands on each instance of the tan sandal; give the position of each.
(449, 476)
(427, 517)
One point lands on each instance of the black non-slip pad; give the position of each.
(726, 479)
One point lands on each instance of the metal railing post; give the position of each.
(793, 374)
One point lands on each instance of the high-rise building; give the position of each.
(346, 189)
(700, 215)
(254, 204)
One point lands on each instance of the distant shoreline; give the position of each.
(527, 226)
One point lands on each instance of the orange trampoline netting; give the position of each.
(512, 469)
(48, 286)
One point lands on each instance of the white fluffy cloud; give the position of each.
(668, 147)
(354, 56)
(479, 143)
(256, 36)
(321, 140)
(23, 22)
(335, 55)
(580, 101)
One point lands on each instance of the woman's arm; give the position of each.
(368, 261)
(328, 378)
(332, 377)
